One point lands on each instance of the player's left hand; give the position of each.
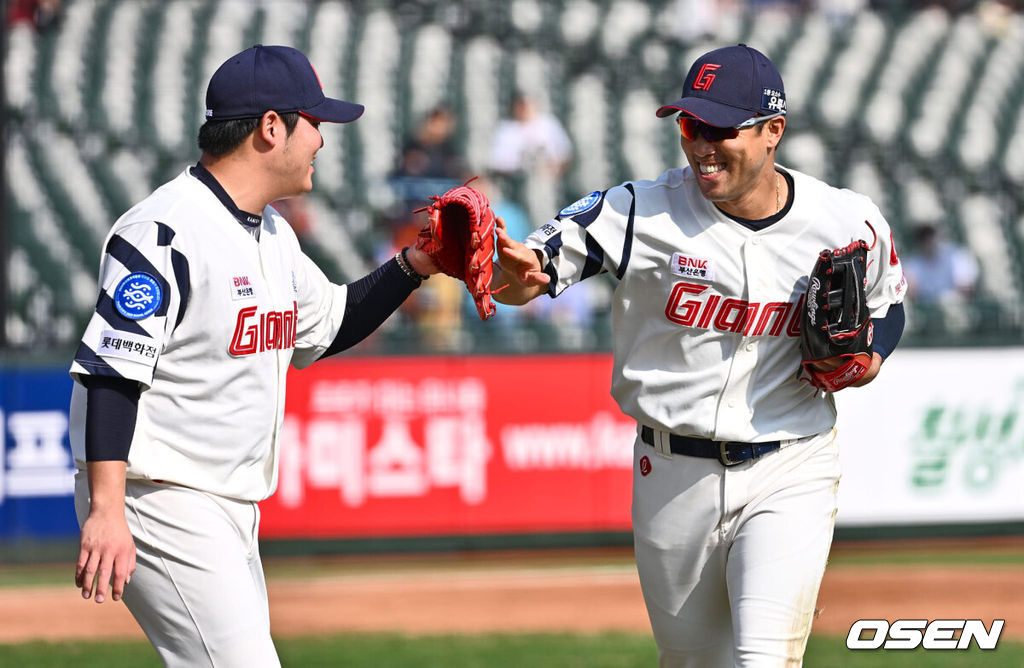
(832, 364)
(836, 331)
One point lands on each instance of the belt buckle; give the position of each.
(723, 455)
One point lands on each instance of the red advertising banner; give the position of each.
(409, 446)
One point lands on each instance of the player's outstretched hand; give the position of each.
(107, 556)
(520, 270)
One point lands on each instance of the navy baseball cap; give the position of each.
(728, 86)
(279, 78)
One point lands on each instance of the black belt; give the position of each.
(729, 453)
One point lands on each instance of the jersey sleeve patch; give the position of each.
(546, 231)
(585, 203)
(127, 346)
(138, 296)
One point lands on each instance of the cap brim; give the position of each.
(335, 111)
(713, 113)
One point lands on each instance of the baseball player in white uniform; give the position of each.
(736, 464)
(205, 300)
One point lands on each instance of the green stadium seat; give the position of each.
(921, 110)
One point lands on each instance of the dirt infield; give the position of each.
(527, 592)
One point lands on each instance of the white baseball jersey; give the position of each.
(192, 304)
(706, 312)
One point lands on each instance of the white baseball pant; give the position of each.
(198, 590)
(730, 559)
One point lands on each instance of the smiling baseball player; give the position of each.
(736, 463)
(206, 299)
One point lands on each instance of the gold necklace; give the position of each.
(778, 194)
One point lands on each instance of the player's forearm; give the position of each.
(888, 331)
(110, 417)
(370, 301)
(106, 486)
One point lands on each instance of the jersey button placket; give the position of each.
(734, 411)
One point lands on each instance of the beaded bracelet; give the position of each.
(403, 263)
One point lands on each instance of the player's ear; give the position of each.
(773, 130)
(270, 128)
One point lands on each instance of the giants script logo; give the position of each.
(273, 330)
(732, 315)
(705, 76)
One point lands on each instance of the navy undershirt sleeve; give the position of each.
(113, 405)
(888, 330)
(371, 299)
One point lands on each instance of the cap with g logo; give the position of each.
(279, 78)
(730, 85)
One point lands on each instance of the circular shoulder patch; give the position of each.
(138, 296)
(585, 203)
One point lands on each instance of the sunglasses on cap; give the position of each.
(691, 127)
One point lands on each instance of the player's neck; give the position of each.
(241, 181)
(766, 199)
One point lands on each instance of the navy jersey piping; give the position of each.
(105, 308)
(627, 242)
(181, 276)
(249, 221)
(179, 263)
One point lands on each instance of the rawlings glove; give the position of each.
(460, 240)
(836, 327)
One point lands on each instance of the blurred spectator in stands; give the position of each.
(573, 321)
(437, 313)
(530, 140)
(839, 13)
(938, 270)
(41, 13)
(531, 150)
(516, 220)
(951, 6)
(696, 20)
(996, 17)
(790, 6)
(430, 164)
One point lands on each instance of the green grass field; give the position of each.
(490, 651)
(609, 650)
